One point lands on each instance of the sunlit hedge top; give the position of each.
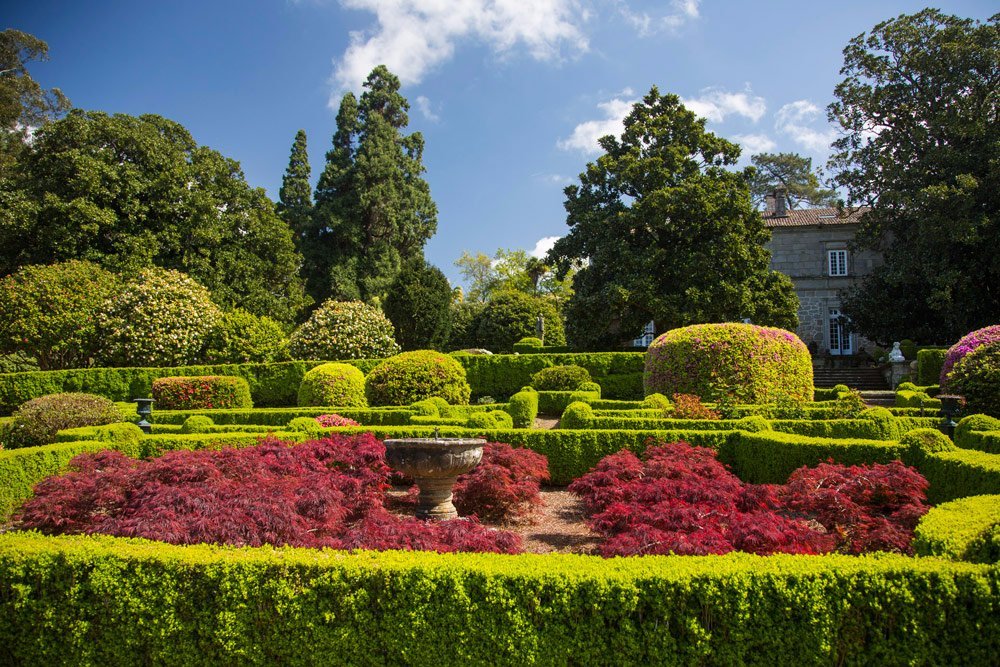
(965, 345)
(344, 330)
(754, 364)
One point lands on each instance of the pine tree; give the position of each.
(295, 196)
(373, 208)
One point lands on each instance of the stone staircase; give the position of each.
(864, 379)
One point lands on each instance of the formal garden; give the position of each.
(734, 510)
(243, 431)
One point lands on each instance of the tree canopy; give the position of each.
(129, 192)
(24, 104)
(373, 208)
(295, 195)
(512, 270)
(794, 174)
(418, 304)
(918, 107)
(667, 233)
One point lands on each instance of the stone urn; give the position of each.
(434, 464)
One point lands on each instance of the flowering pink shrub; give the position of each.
(504, 486)
(327, 421)
(682, 500)
(323, 493)
(964, 346)
(750, 364)
(201, 392)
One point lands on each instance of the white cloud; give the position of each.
(755, 143)
(681, 12)
(424, 107)
(586, 134)
(543, 246)
(553, 179)
(715, 104)
(411, 37)
(796, 119)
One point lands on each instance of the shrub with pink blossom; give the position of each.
(744, 362)
(969, 342)
(328, 421)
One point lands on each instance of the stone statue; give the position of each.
(540, 328)
(896, 354)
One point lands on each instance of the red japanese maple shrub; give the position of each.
(504, 486)
(682, 500)
(867, 508)
(323, 493)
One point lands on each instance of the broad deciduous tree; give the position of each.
(131, 192)
(919, 111)
(669, 234)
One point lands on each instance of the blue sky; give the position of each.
(509, 94)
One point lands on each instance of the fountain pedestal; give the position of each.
(434, 464)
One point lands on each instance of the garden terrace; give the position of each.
(107, 600)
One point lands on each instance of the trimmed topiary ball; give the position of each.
(751, 363)
(342, 385)
(971, 423)
(560, 378)
(344, 330)
(964, 346)
(197, 424)
(413, 376)
(244, 338)
(923, 441)
(976, 376)
(162, 318)
(37, 421)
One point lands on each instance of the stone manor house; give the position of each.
(810, 246)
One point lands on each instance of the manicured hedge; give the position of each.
(187, 392)
(966, 529)
(277, 384)
(281, 416)
(523, 408)
(961, 473)
(769, 457)
(114, 601)
(929, 363)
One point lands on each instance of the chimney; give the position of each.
(780, 203)
(769, 204)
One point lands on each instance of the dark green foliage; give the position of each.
(976, 376)
(373, 209)
(49, 312)
(964, 529)
(197, 392)
(413, 376)
(919, 144)
(295, 195)
(165, 604)
(560, 378)
(155, 199)
(418, 304)
(929, 363)
(37, 421)
(792, 173)
(670, 234)
(341, 385)
(465, 318)
(240, 337)
(510, 316)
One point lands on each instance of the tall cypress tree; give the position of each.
(373, 208)
(295, 196)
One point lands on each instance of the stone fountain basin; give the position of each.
(434, 464)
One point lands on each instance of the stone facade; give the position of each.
(801, 245)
